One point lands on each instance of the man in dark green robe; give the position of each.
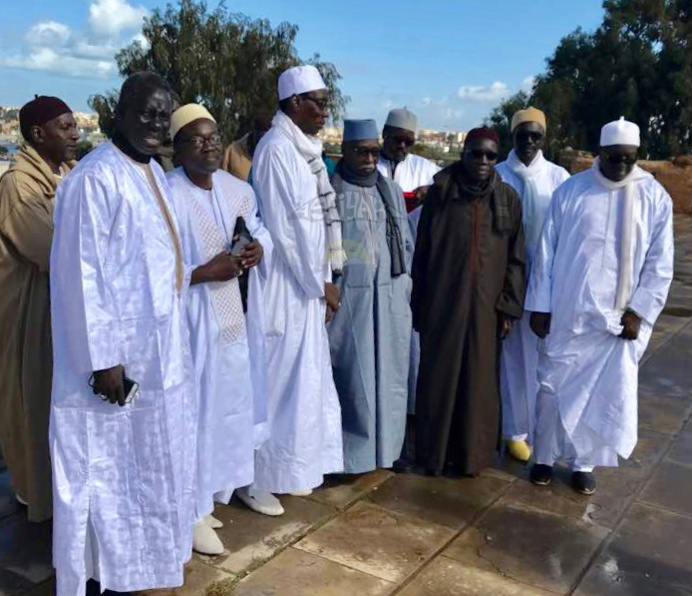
(468, 289)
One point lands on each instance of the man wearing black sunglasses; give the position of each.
(535, 179)
(468, 289)
(370, 334)
(599, 281)
(412, 173)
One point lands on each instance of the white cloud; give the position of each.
(47, 59)
(111, 17)
(48, 33)
(53, 47)
(498, 90)
(527, 84)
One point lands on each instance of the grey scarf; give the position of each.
(395, 235)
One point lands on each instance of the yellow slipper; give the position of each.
(519, 450)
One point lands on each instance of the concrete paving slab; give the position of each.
(529, 546)
(25, 554)
(251, 538)
(342, 490)
(298, 573)
(616, 486)
(662, 413)
(377, 541)
(681, 451)
(648, 556)
(445, 501)
(670, 488)
(200, 580)
(446, 577)
(47, 588)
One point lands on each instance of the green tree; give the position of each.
(223, 60)
(3, 151)
(83, 148)
(501, 118)
(637, 64)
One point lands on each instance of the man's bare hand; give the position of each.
(329, 316)
(221, 268)
(540, 323)
(420, 193)
(252, 255)
(507, 324)
(109, 383)
(631, 324)
(333, 296)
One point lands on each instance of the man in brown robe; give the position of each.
(26, 231)
(468, 289)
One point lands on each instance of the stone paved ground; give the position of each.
(496, 535)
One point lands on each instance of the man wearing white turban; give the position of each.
(599, 281)
(298, 208)
(535, 179)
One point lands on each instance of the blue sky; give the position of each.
(450, 61)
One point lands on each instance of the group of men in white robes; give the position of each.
(175, 385)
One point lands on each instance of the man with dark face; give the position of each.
(123, 419)
(535, 179)
(599, 281)
(298, 207)
(209, 203)
(370, 334)
(414, 174)
(26, 230)
(238, 157)
(468, 289)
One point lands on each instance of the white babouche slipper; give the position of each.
(301, 493)
(260, 501)
(205, 541)
(212, 522)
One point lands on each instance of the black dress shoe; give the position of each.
(541, 474)
(403, 465)
(584, 482)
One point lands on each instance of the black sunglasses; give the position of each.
(399, 140)
(363, 151)
(479, 154)
(617, 158)
(525, 135)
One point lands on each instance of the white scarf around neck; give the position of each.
(625, 274)
(534, 207)
(310, 148)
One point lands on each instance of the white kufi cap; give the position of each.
(186, 114)
(620, 132)
(298, 80)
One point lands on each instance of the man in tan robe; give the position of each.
(238, 157)
(26, 231)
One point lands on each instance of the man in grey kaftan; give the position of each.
(370, 334)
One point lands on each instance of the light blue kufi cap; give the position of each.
(360, 130)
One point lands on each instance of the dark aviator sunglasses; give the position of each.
(617, 158)
(480, 154)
